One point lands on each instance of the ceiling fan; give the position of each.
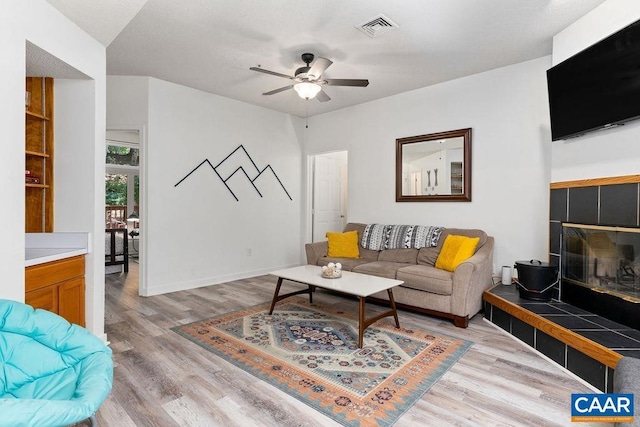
(308, 80)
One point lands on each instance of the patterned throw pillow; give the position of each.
(456, 250)
(374, 237)
(343, 245)
(378, 237)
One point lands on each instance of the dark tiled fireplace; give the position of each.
(594, 317)
(595, 229)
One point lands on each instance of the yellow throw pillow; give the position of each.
(456, 250)
(343, 245)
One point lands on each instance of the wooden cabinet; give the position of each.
(39, 155)
(58, 286)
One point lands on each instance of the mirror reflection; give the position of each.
(434, 167)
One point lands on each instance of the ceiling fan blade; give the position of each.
(282, 89)
(322, 96)
(348, 82)
(273, 73)
(319, 66)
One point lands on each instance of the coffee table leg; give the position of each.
(361, 322)
(275, 295)
(393, 307)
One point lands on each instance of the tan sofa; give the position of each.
(426, 289)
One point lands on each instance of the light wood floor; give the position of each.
(162, 379)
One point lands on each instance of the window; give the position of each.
(122, 184)
(123, 155)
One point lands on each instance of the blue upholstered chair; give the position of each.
(53, 373)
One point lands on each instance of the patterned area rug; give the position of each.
(310, 351)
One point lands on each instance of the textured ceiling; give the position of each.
(210, 44)
(41, 63)
(102, 19)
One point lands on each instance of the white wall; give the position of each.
(197, 234)
(127, 102)
(41, 24)
(507, 110)
(12, 125)
(613, 152)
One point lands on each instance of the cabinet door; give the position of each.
(71, 300)
(45, 298)
(52, 273)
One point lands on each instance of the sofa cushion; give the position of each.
(347, 263)
(367, 254)
(407, 256)
(456, 250)
(426, 278)
(343, 245)
(428, 256)
(380, 268)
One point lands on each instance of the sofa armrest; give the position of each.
(471, 279)
(315, 251)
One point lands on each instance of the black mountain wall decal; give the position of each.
(238, 165)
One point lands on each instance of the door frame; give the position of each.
(310, 190)
(143, 214)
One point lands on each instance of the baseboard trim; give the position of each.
(211, 281)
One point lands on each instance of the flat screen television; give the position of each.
(598, 87)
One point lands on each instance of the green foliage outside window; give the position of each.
(116, 184)
(136, 189)
(116, 189)
(120, 155)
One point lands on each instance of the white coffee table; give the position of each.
(360, 285)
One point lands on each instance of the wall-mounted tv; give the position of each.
(598, 87)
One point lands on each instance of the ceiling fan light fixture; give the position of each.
(307, 90)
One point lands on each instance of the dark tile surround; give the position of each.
(614, 336)
(610, 205)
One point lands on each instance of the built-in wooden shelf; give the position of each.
(39, 155)
(36, 115)
(36, 153)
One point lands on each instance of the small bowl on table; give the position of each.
(332, 271)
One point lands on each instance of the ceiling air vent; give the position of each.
(377, 26)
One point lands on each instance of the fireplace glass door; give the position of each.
(605, 259)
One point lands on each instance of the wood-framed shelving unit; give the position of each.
(39, 155)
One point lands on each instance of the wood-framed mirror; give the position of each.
(434, 168)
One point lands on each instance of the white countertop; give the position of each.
(42, 255)
(47, 247)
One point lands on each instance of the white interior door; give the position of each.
(328, 214)
(416, 184)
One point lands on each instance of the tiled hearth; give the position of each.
(584, 343)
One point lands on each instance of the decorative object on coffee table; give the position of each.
(310, 352)
(332, 271)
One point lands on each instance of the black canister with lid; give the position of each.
(536, 279)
